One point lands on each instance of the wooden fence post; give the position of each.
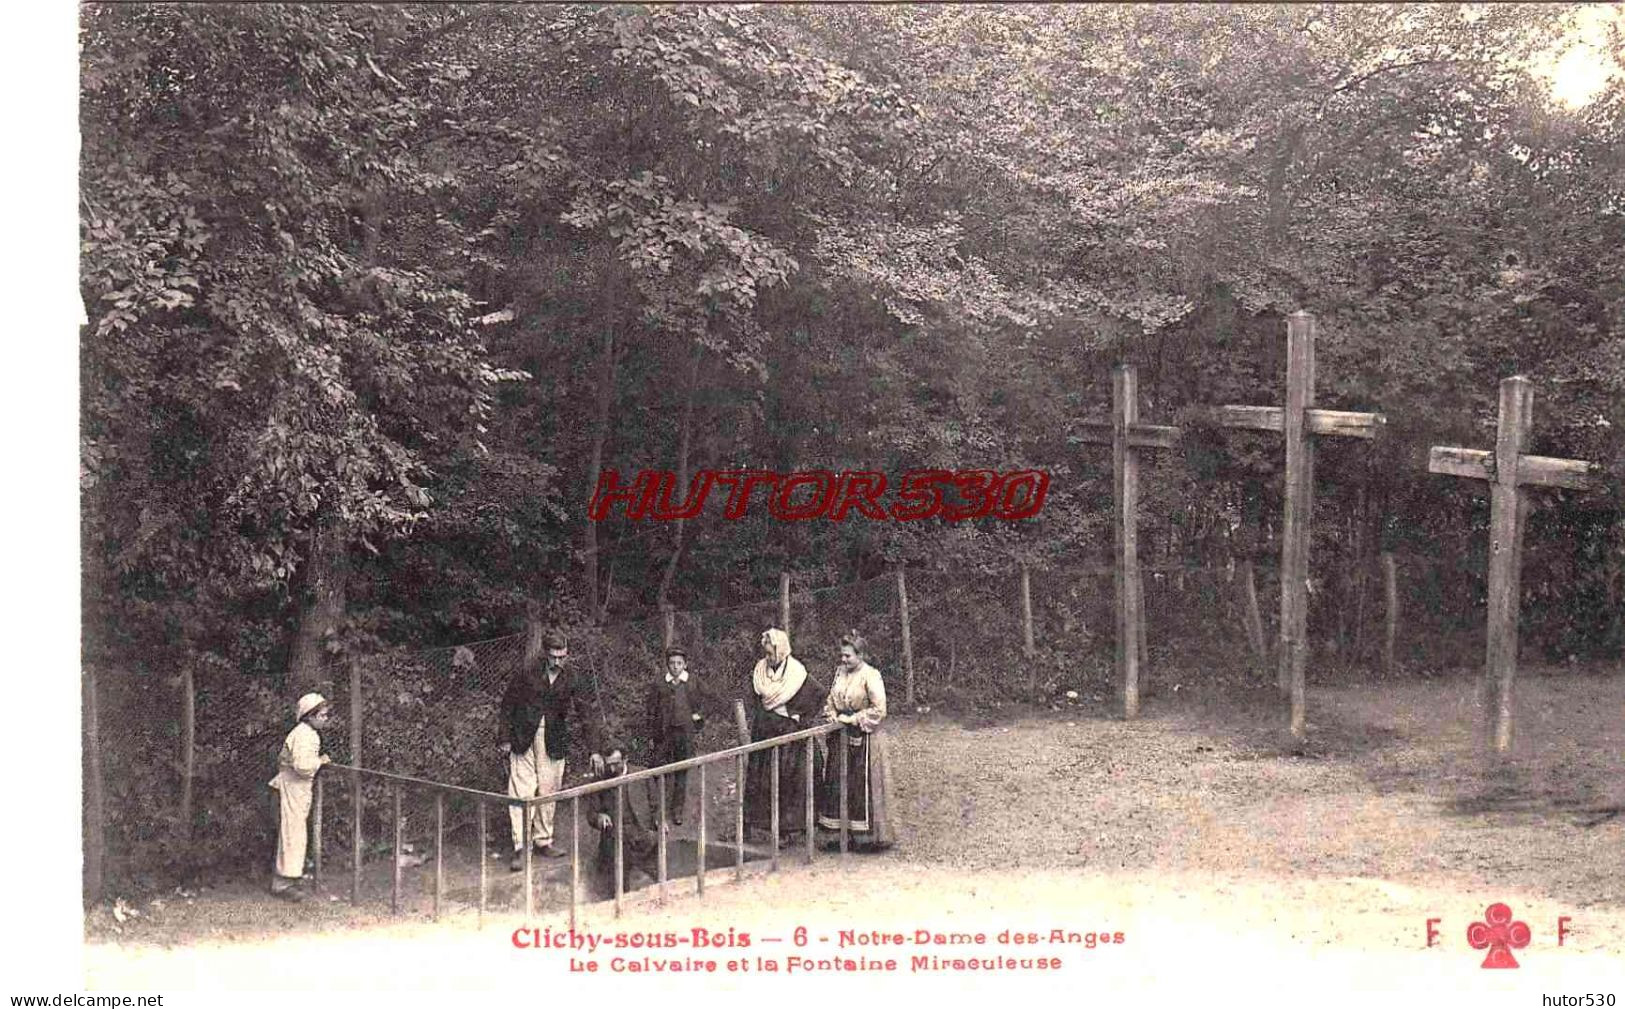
(356, 799)
(355, 840)
(316, 825)
(440, 851)
(355, 719)
(1029, 647)
(908, 641)
(188, 749)
(395, 857)
(1252, 618)
(95, 792)
(1390, 595)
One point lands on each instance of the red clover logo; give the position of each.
(1500, 934)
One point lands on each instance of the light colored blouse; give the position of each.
(301, 756)
(860, 693)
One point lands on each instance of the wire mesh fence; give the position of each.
(967, 639)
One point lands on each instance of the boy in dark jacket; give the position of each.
(674, 706)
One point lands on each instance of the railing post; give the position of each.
(575, 858)
(807, 777)
(395, 890)
(439, 851)
(840, 743)
(525, 838)
(620, 858)
(485, 857)
(739, 818)
(699, 874)
(316, 828)
(773, 815)
(660, 852)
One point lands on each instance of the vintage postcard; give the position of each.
(1110, 501)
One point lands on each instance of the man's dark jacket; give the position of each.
(529, 699)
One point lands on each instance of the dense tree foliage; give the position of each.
(376, 293)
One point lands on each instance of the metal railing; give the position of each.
(737, 754)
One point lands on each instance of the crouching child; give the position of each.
(297, 764)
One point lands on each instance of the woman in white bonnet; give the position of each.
(301, 757)
(787, 700)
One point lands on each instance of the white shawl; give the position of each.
(777, 679)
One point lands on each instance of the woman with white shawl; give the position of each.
(787, 700)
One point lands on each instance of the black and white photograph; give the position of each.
(808, 501)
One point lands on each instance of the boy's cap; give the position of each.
(676, 650)
(553, 640)
(309, 703)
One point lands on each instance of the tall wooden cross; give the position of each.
(1298, 421)
(1126, 437)
(1508, 472)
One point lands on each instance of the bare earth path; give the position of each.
(1192, 832)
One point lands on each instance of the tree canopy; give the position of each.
(376, 293)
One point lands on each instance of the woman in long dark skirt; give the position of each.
(787, 700)
(857, 700)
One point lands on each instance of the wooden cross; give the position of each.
(1508, 471)
(1127, 435)
(1298, 420)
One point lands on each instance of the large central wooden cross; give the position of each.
(1298, 421)
(1508, 472)
(1126, 436)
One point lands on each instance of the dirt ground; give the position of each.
(1195, 831)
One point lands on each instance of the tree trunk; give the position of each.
(595, 465)
(327, 573)
(685, 426)
(327, 569)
